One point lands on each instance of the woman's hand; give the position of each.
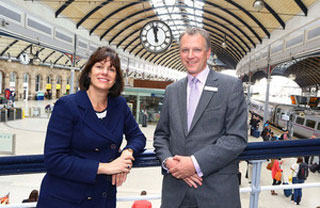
(119, 178)
(119, 165)
(127, 154)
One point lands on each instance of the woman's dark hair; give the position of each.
(99, 55)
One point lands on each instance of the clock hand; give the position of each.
(155, 32)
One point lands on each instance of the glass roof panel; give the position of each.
(178, 14)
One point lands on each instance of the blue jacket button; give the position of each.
(104, 194)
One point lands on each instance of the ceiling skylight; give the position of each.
(179, 14)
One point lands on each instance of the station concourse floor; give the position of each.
(30, 136)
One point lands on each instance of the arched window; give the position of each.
(59, 80)
(38, 82)
(25, 78)
(13, 77)
(25, 86)
(49, 79)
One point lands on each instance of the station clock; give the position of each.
(156, 36)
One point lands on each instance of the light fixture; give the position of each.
(292, 77)
(4, 23)
(36, 60)
(215, 56)
(258, 5)
(35, 57)
(224, 43)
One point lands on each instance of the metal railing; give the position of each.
(256, 153)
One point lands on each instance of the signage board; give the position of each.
(7, 143)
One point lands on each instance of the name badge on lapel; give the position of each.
(212, 89)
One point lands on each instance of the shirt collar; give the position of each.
(202, 76)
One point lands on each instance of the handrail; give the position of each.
(29, 164)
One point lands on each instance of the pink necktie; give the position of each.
(193, 100)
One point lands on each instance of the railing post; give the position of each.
(255, 183)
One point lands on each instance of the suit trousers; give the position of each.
(189, 200)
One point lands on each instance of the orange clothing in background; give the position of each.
(275, 168)
(142, 204)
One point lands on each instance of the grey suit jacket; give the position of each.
(218, 134)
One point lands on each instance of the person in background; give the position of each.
(13, 96)
(254, 122)
(5, 199)
(306, 158)
(276, 168)
(265, 134)
(82, 152)
(297, 193)
(33, 197)
(142, 203)
(284, 135)
(48, 109)
(201, 131)
(273, 137)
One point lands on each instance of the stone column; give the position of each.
(19, 87)
(63, 85)
(43, 84)
(32, 86)
(53, 87)
(6, 80)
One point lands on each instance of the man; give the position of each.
(199, 152)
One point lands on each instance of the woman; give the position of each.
(297, 193)
(275, 169)
(82, 149)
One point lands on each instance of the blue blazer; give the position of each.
(76, 142)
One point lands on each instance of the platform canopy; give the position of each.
(240, 24)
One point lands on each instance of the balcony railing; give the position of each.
(256, 152)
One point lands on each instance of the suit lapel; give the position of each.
(182, 94)
(206, 96)
(90, 119)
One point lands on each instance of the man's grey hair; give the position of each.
(196, 30)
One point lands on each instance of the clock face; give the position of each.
(156, 36)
